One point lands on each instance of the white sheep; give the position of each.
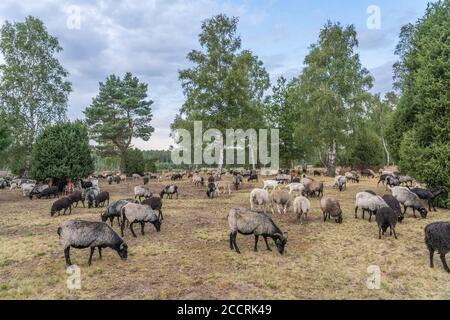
(142, 192)
(368, 202)
(296, 187)
(271, 184)
(409, 200)
(137, 213)
(302, 206)
(259, 197)
(27, 188)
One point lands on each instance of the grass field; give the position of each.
(190, 258)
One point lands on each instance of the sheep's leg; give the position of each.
(431, 257)
(444, 263)
(279, 210)
(132, 231)
(234, 242)
(111, 219)
(67, 256)
(161, 217)
(395, 233)
(370, 216)
(122, 227)
(379, 232)
(256, 243)
(231, 241)
(364, 212)
(356, 212)
(100, 252)
(90, 256)
(142, 227)
(414, 212)
(267, 243)
(324, 217)
(84, 206)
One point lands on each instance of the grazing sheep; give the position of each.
(248, 222)
(223, 185)
(351, 176)
(392, 182)
(437, 238)
(198, 181)
(113, 210)
(314, 187)
(86, 234)
(237, 181)
(27, 188)
(252, 177)
(122, 178)
(212, 190)
(368, 173)
(386, 218)
(306, 181)
(283, 178)
(405, 180)
(271, 184)
(384, 176)
(91, 195)
(94, 183)
(302, 207)
(76, 197)
(62, 203)
(47, 193)
(211, 179)
(296, 187)
(170, 191)
(138, 213)
(110, 179)
(429, 195)
(394, 205)
(368, 202)
(331, 208)
(37, 190)
(259, 197)
(409, 200)
(101, 199)
(280, 198)
(142, 192)
(156, 204)
(176, 176)
(340, 182)
(136, 176)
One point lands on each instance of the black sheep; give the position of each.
(76, 197)
(386, 218)
(101, 199)
(393, 203)
(170, 191)
(46, 193)
(60, 204)
(252, 177)
(437, 238)
(156, 204)
(211, 191)
(429, 195)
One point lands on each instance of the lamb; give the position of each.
(313, 188)
(86, 234)
(248, 222)
(259, 197)
(280, 197)
(156, 204)
(62, 203)
(437, 238)
(429, 195)
(368, 202)
(394, 205)
(409, 200)
(296, 187)
(223, 185)
(137, 213)
(113, 210)
(270, 184)
(212, 190)
(302, 207)
(101, 199)
(170, 191)
(386, 218)
(76, 197)
(331, 208)
(142, 192)
(340, 182)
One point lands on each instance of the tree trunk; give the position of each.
(122, 162)
(388, 156)
(26, 169)
(331, 164)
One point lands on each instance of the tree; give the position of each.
(332, 90)
(225, 86)
(134, 162)
(62, 151)
(5, 137)
(365, 150)
(119, 113)
(33, 85)
(421, 124)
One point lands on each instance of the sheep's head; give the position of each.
(339, 219)
(157, 225)
(123, 251)
(423, 213)
(280, 242)
(401, 217)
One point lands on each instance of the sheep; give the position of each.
(296, 187)
(331, 208)
(259, 197)
(137, 213)
(101, 199)
(136, 176)
(156, 204)
(76, 197)
(351, 176)
(368, 202)
(113, 210)
(87, 234)
(405, 180)
(142, 192)
(340, 182)
(371, 192)
(368, 173)
(409, 200)
(47, 192)
(170, 191)
(110, 179)
(252, 177)
(223, 185)
(306, 181)
(176, 176)
(283, 178)
(317, 173)
(394, 205)
(27, 188)
(386, 218)
(91, 195)
(212, 190)
(37, 190)
(429, 195)
(237, 181)
(302, 207)
(198, 181)
(392, 181)
(384, 176)
(248, 222)
(271, 184)
(437, 238)
(211, 179)
(122, 177)
(312, 188)
(280, 197)
(62, 203)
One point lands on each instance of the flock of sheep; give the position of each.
(147, 208)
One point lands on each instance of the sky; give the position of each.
(152, 38)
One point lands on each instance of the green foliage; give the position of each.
(119, 113)
(150, 166)
(5, 137)
(365, 150)
(62, 151)
(33, 86)
(421, 124)
(134, 162)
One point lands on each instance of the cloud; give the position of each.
(383, 78)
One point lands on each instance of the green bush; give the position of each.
(134, 162)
